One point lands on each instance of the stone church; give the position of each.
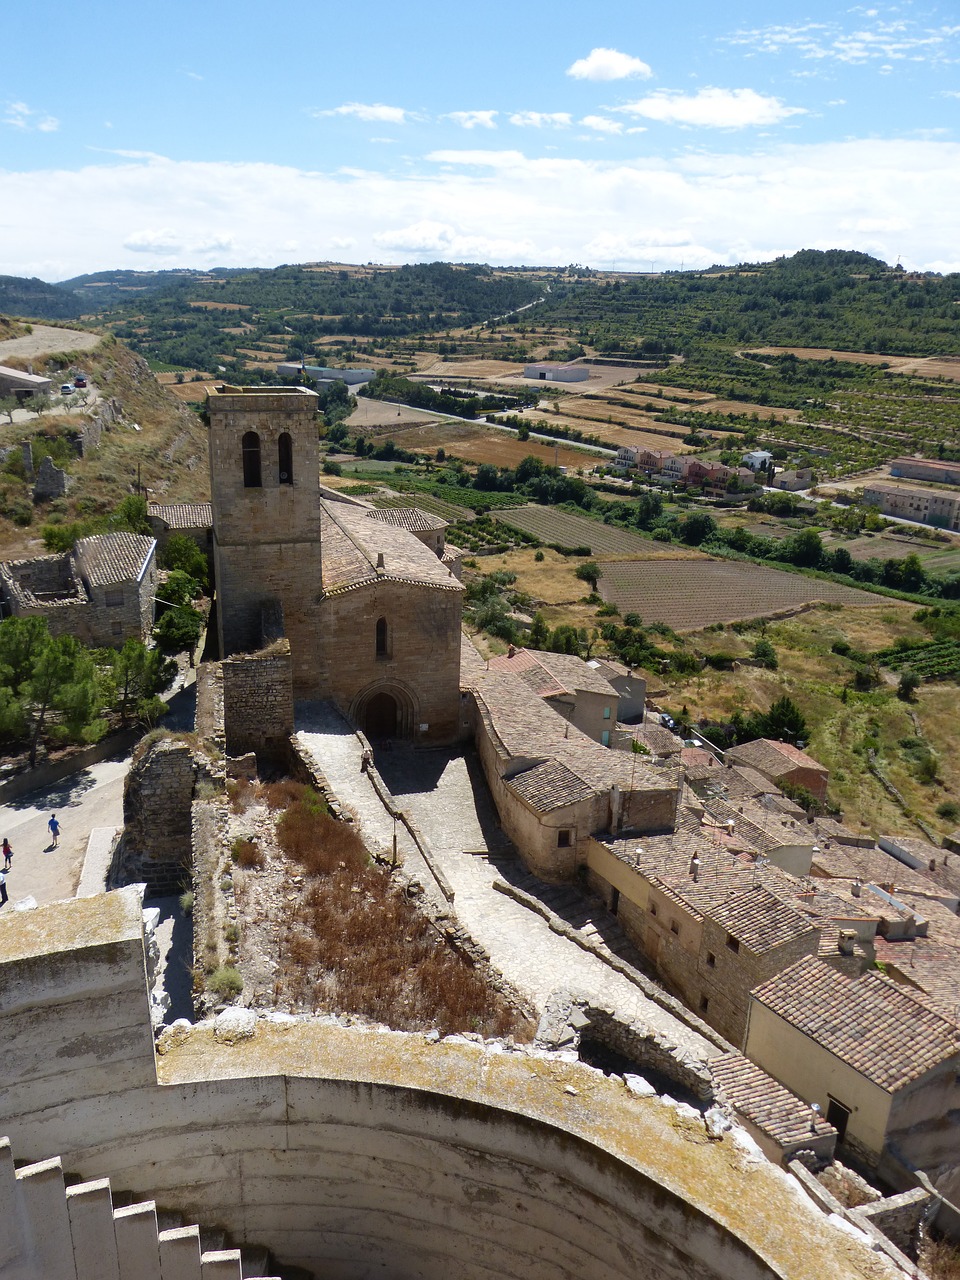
(370, 609)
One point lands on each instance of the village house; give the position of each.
(878, 1060)
(630, 688)
(783, 764)
(102, 592)
(925, 469)
(572, 687)
(925, 506)
(554, 786)
(193, 520)
(794, 481)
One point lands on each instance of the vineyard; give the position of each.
(426, 502)
(557, 528)
(690, 594)
(934, 660)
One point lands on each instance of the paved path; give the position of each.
(91, 798)
(445, 793)
(326, 736)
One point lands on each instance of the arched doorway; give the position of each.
(381, 716)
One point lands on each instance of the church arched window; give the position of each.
(250, 447)
(382, 639)
(285, 458)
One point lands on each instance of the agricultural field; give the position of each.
(688, 595)
(924, 366)
(936, 660)
(605, 541)
(476, 443)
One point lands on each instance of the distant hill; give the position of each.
(105, 289)
(36, 300)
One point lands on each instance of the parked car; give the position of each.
(80, 382)
(66, 389)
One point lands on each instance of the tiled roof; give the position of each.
(771, 757)
(552, 674)
(761, 921)
(412, 519)
(876, 1026)
(107, 558)
(657, 740)
(352, 545)
(872, 866)
(183, 515)
(550, 785)
(766, 1103)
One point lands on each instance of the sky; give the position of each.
(619, 135)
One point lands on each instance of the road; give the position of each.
(91, 798)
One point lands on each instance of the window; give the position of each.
(116, 628)
(382, 638)
(250, 446)
(674, 927)
(605, 738)
(563, 838)
(606, 713)
(711, 960)
(285, 458)
(704, 1004)
(113, 597)
(733, 944)
(653, 908)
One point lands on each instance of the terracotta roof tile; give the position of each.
(761, 921)
(107, 558)
(766, 1103)
(550, 785)
(183, 515)
(881, 1029)
(352, 545)
(412, 519)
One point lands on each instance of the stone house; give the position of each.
(783, 763)
(193, 520)
(372, 614)
(925, 506)
(925, 469)
(552, 785)
(571, 686)
(713, 927)
(793, 481)
(629, 686)
(874, 1055)
(102, 592)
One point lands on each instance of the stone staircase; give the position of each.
(54, 1227)
(582, 911)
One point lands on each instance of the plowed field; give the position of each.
(690, 594)
(605, 541)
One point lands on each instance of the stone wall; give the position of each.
(51, 481)
(258, 701)
(156, 848)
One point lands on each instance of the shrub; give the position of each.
(246, 853)
(186, 902)
(766, 655)
(225, 981)
(949, 811)
(178, 629)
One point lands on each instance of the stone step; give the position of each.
(255, 1261)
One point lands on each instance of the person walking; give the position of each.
(7, 854)
(3, 889)
(54, 826)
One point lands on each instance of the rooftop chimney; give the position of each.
(380, 564)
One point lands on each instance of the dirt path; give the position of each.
(47, 339)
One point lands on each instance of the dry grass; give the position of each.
(940, 1260)
(352, 941)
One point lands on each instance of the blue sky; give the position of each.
(619, 134)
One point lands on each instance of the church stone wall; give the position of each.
(421, 669)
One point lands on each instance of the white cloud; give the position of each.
(712, 108)
(884, 196)
(896, 40)
(541, 119)
(19, 116)
(609, 64)
(601, 124)
(473, 119)
(192, 75)
(368, 111)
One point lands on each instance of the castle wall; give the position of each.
(157, 847)
(258, 700)
(353, 1151)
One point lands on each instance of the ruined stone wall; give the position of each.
(156, 847)
(258, 701)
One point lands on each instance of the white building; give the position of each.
(556, 372)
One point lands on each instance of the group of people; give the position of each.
(53, 826)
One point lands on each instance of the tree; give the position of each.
(590, 572)
(765, 654)
(183, 553)
(62, 679)
(138, 674)
(179, 588)
(178, 629)
(697, 527)
(7, 405)
(909, 683)
(539, 632)
(784, 721)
